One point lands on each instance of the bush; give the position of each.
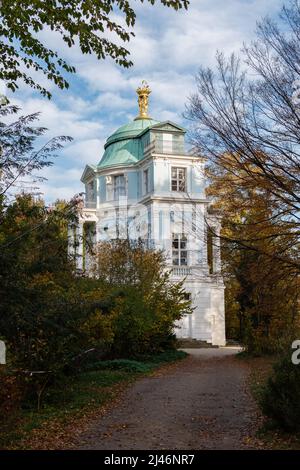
(146, 303)
(127, 365)
(164, 357)
(55, 321)
(144, 363)
(280, 398)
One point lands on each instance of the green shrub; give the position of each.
(280, 398)
(165, 356)
(143, 365)
(55, 322)
(146, 303)
(121, 364)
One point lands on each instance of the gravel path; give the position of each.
(201, 402)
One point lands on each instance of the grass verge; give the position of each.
(69, 406)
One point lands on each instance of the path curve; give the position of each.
(201, 402)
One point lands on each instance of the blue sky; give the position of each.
(167, 50)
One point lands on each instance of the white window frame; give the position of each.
(179, 249)
(179, 181)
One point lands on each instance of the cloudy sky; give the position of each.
(167, 50)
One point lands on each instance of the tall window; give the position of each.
(149, 227)
(119, 186)
(179, 250)
(194, 218)
(178, 176)
(146, 181)
(117, 222)
(210, 252)
(90, 191)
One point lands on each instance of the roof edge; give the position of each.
(162, 123)
(88, 170)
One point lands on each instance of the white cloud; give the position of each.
(102, 76)
(83, 152)
(167, 50)
(60, 121)
(113, 101)
(61, 183)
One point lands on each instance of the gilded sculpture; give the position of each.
(143, 99)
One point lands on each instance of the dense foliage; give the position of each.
(147, 303)
(280, 399)
(51, 318)
(261, 288)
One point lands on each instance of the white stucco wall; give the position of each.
(207, 322)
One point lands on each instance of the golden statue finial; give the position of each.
(143, 99)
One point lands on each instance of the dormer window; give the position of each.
(178, 176)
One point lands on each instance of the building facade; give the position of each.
(146, 186)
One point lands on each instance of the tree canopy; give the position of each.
(247, 123)
(86, 23)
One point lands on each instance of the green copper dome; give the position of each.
(124, 147)
(130, 130)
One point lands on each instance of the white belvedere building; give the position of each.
(146, 186)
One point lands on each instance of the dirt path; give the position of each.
(199, 403)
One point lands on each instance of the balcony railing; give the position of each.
(181, 271)
(169, 147)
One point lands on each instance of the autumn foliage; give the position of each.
(53, 319)
(262, 285)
